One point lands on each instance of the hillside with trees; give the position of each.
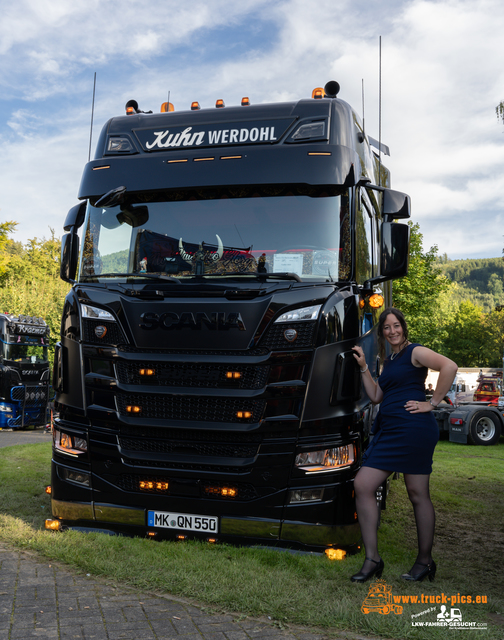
(477, 281)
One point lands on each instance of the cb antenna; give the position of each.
(92, 115)
(363, 119)
(379, 118)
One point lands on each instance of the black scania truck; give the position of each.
(227, 261)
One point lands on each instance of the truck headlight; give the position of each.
(69, 444)
(324, 460)
(300, 315)
(95, 313)
(5, 407)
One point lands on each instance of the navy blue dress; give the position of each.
(403, 441)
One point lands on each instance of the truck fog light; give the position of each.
(306, 495)
(78, 477)
(324, 460)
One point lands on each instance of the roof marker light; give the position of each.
(131, 107)
(318, 93)
(245, 102)
(219, 104)
(195, 106)
(167, 107)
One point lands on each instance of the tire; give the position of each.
(485, 428)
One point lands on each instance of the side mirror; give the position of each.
(396, 205)
(69, 257)
(75, 217)
(394, 250)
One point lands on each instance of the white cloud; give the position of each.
(441, 81)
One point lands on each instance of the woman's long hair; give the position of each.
(382, 343)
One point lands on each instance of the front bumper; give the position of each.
(131, 520)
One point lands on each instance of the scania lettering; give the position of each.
(224, 262)
(24, 371)
(170, 320)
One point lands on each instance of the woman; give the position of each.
(405, 435)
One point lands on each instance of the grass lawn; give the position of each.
(467, 490)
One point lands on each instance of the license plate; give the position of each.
(183, 521)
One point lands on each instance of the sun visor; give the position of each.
(315, 164)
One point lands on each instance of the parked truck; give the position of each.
(478, 423)
(24, 371)
(228, 260)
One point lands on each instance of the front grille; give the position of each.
(206, 409)
(187, 466)
(195, 352)
(190, 435)
(275, 339)
(131, 482)
(203, 376)
(189, 448)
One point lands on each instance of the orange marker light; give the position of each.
(376, 301)
(166, 107)
(219, 104)
(146, 372)
(245, 102)
(243, 414)
(52, 525)
(133, 408)
(233, 375)
(195, 106)
(318, 93)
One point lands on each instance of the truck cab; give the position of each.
(24, 371)
(223, 263)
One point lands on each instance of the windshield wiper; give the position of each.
(280, 275)
(136, 275)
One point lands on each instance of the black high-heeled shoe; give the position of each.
(429, 571)
(377, 571)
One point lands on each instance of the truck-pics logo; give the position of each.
(257, 132)
(379, 599)
(217, 320)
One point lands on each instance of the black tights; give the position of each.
(366, 483)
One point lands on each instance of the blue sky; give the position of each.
(442, 76)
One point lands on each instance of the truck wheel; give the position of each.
(485, 428)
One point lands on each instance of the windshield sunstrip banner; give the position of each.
(213, 135)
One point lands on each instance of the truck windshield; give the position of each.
(25, 349)
(216, 232)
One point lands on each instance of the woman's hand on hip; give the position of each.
(418, 406)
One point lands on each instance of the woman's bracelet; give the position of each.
(365, 369)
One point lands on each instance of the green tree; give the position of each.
(6, 244)
(29, 280)
(418, 294)
(469, 338)
(499, 110)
